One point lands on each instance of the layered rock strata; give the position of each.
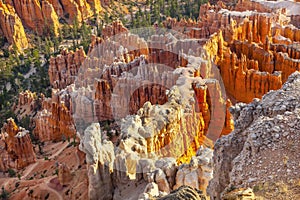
(36, 15)
(251, 53)
(63, 69)
(112, 175)
(42, 17)
(255, 51)
(54, 122)
(146, 153)
(28, 104)
(16, 148)
(11, 26)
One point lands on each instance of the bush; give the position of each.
(4, 195)
(11, 172)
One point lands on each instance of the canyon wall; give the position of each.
(38, 16)
(163, 100)
(11, 26)
(253, 49)
(263, 129)
(42, 17)
(64, 68)
(253, 55)
(54, 122)
(16, 148)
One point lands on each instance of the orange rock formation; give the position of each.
(54, 122)
(63, 68)
(11, 26)
(36, 15)
(41, 16)
(16, 147)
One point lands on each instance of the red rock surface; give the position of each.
(36, 15)
(63, 68)
(114, 28)
(54, 122)
(16, 148)
(251, 54)
(64, 174)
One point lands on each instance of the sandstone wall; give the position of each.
(16, 148)
(253, 56)
(54, 122)
(36, 15)
(11, 26)
(64, 68)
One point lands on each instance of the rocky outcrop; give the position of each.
(54, 122)
(198, 172)
(247, 53)
(145, 177)
(39, 16)
(229, 124)
(114, 28)
(64, 174)
(63, 69)
(42, 17)
(99, 157)
(146, 154)
(184, 193)
(249, 47)
(263, 129)
(16, 148)
(26, 98)
(28, 104)
(11, 26)
(239, 194)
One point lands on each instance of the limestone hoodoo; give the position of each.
(16, 147)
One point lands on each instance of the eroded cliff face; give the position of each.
(63, 69)
(54, 122)
(147, 153)
(41, 17)
(254, 49)
(16, 148)
(38, 16)
(28, 104)
(252, 53)
(263, 129)
(172, 112)
(126, 175)
(11, 26)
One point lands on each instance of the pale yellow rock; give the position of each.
(11, 26)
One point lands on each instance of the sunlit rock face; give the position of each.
(11, 26)
(16, 148)
(254, 49)
(114, 173)
(54, 122)
(36, 15)
(166, 114)
(41, 17)
(165, 97)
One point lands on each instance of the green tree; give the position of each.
(4, 195)
(11, 172)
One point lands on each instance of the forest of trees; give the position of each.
(156, 11)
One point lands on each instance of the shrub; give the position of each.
(11, 172)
